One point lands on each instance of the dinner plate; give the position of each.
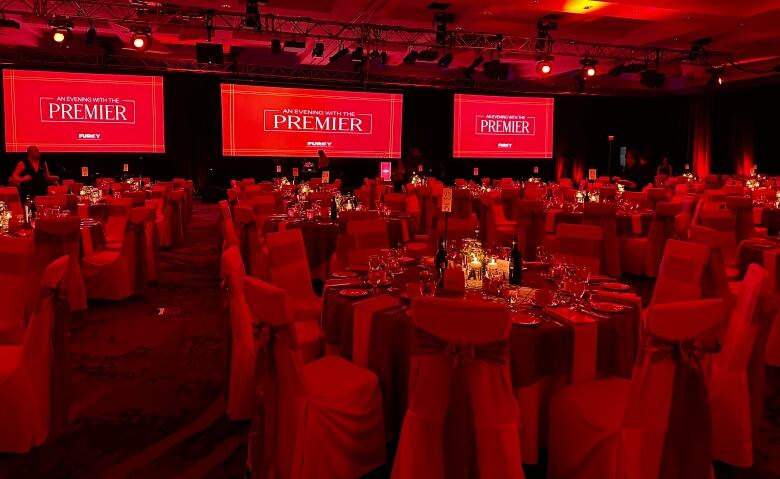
(525, 319)
(607, 307)
(354, 293)
(615, 287)
(344, 274)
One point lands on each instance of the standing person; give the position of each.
(632, 176)
(32, 175)
(323, 162)
(664, 168)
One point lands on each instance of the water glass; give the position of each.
(427, 282)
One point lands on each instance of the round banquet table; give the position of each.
(90, 229)
(536, 352)
(624, 221)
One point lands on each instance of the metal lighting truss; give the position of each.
(141, 12)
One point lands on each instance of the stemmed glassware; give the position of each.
(374, 273)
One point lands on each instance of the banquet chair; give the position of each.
(643, 255)
(110, 274)
(743, 212)
(10, 195)
(604, 215)
(397, 202)
(530, 222)
(160, 196)
(57, 189)
(289, 270)
(733, 190)
(462, 419)
(638, 198)
(17, 287)
(229, 236)
(118, 212)
(461, 205)
(250, 241)
(364, 239)
(242, 349)
(55, 237)
(500, 229)
(655, 196)
(28, 385)
(581, 245)
(719, 281)
(137, 198)
(681, 273)
(534, 193)
(457, 230)
(655, 425)
(724, 225)
(323, 419)
(508, 199)
(733, 396)
(365, 196)
(607, 193)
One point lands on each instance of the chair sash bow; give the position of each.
(458, 432)
(687, 448)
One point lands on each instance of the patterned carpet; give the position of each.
(148, 388)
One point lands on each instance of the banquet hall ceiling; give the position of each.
(746, 30)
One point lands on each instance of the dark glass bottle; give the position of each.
(334, 212)
(515, 264)
(441, 260)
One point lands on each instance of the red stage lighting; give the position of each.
(141, 41)
(61, 36)
(544, 67)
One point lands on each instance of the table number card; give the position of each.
(536, 170)
(84, 171)
(446, 200)
(295, 172)
(386, 170)
(125, 167)
(419, 168)
(476, 171)
(687, 167)
(454, 280)
(278, 168)
(592, 174)
(325, 176)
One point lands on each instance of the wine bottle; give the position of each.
(515, 264)
(334, 211)
(441, 260)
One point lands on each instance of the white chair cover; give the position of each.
(462, 419)
(321, 420)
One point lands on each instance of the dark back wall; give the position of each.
(653, 126)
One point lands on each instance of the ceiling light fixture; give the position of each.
(411, 57)
(141, 40)
(276, 46)
(589, 67)
(61, 32)
(318, 50)
(445, 61)
(343, 51)
(716, 76)
(89, 39)
(544, 65)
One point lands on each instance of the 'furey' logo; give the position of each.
(319, 144)
(87, 109)
(519, 125)
(326, 121)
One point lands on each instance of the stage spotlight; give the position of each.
(411, 57)
(339, 54)
(276, 46)
(544, 66)
(716, 77)
(445, 61)
(90, 37)
(357, 55)
(61, 32)
(318, 50)
(589, 67)
(141, 41)
(384, 58)
(473, 67)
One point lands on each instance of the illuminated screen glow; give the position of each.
(502, 127)
(296, 122)
(83, 112)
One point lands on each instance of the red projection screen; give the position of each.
(83, 112)
(502, 127)
(296, 122)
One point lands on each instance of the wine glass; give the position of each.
(374, 272)
(427, 282)
(394, 267)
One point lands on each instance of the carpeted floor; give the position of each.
(148, 388)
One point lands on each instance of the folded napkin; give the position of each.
(342, 283)
(627, 298)
(583, 367)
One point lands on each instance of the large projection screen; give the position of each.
(502, 127)
(297, 122)
(83, 112)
